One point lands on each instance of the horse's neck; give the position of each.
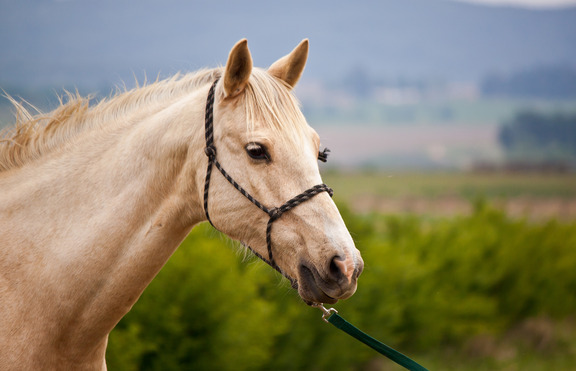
(86, 229)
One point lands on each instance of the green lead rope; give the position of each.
(331, 316)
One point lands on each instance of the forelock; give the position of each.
(270, 102)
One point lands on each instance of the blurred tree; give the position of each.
(532, 136)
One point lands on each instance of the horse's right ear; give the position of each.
(238, 69)
(290, 67)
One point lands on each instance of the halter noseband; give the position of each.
(275, 212)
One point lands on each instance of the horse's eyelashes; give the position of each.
(323, 155)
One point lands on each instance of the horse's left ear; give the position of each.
(238, 69)
(290, 67)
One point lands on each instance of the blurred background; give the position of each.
(452, 126)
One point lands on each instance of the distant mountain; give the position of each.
(90, 43)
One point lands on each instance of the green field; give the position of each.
(533, 195)
(466, 185)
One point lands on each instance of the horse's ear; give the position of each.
(290, 67)
(238, 68)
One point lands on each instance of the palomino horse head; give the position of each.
(265, 145)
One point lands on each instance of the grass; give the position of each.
(465, 185)
(432, 194)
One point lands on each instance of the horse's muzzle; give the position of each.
(338, 281)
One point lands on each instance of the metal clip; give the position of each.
(327, 311)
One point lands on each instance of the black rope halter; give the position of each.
(275, 212)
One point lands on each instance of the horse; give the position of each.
(96, 197)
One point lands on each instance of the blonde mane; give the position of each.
(267, 100)
(36, 135)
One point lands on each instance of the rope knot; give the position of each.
(210, 151)
(275, 213)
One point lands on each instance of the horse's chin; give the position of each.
(316, 297)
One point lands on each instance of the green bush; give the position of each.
(203, 311)
(428, 284)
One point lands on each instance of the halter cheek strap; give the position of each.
(275, 212)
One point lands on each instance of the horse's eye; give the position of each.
(257, 151)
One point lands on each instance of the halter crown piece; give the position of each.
(275, 212)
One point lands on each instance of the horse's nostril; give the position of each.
(335, 271)
(341, 268)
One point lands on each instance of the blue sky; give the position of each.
(97, 43)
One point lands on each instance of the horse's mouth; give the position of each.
(312, 288)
